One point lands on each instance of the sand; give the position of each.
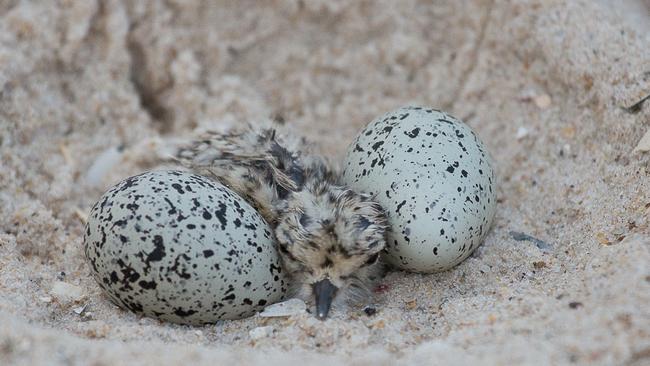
(92, 92)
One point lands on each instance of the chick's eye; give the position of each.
(362, 224)
(304, 220)
(372, 259)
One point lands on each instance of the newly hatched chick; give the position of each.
(329, 237)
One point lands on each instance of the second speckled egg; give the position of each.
(434, 177)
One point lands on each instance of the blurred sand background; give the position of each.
(91, 91)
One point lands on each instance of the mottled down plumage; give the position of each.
(329, 237)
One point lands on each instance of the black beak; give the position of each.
(324, 292)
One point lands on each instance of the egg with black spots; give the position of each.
(182, 248)
(434, 177)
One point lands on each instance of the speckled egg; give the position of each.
(182, 248)
(433, 176)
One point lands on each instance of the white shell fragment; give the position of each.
(644, 143)
(80, 309)
(434, 177)
(286, 308)
(182, 248)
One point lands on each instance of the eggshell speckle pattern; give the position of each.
(182, 248)
(434, 177)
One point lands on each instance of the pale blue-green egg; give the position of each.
(434, 177)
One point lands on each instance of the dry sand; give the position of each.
(544, 84)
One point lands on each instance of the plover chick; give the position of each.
(329, 237)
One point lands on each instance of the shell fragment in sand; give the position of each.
(644, 144)
(285, 308)
(80, 309)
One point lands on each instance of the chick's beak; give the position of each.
(324, 291)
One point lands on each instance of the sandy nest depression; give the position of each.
(91, 91)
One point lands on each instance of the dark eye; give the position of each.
(304, 220)
(372, 259)
(363, 223)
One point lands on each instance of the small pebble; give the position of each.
(285, 308)
(370, 310)
(575, 304)
(261, 332)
